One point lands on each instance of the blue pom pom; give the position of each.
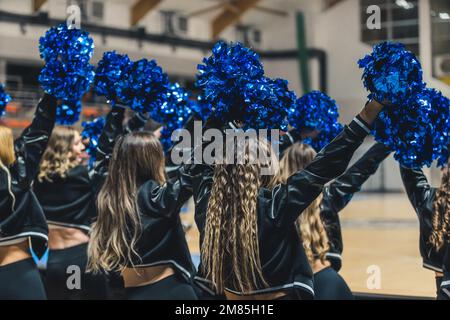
(313, 111)
(65, 45)
(267, 102)
(110, 72)
(68, 112)
(173, 113)
(67, 74)
(391, 73)
(418, 131)
(145, 87)
(233, 84)
(325, 136)
(66, 81)
(4, 100)
(92, 131)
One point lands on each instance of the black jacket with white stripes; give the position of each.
(283, 259)
(20, 212)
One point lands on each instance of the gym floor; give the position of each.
(380, 232)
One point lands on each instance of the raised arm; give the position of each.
(417, 187)
(290, 199)
(339, 193)
(30, 146)
(113, 128)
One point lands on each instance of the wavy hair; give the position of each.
(58, 158)
(137, 157)
(7, 156)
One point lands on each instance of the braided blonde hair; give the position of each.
(230, 250)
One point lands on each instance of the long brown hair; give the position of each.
(137, 157)
(230, 250)
(58, 158)
(441, 216)
(309, 223)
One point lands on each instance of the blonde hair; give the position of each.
(58, 157)
(7, 156)
(309, 223)
(441, 216)
(137, 158)
(230, 249)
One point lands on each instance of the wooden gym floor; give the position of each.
(379, 230)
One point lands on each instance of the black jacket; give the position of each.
(20, 212)
(162, 239)
(421, 196)
(284, 262)
(340, 191)
(70, 201)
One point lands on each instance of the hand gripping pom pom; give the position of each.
(391, 73)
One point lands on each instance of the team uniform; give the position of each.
(283, 259)
(21, 216)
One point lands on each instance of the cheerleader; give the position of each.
(432, 207)
(319, 226)
(22, 222)
(64, 190)
(250, 247)
(138, 231)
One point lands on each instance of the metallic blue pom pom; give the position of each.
(110, 71)
(64, 44)
(66, 81)
(67, 74)
(145, 87)
(266, 104)
(233, 84)
(68, 112)
(315, 111)
(418, 131)
(92, 131)
(4, 100)
(391, 73)
(173, 113)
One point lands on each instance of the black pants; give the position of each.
(329, 285)
(65, 277)
(170, 288)
(21, 281)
